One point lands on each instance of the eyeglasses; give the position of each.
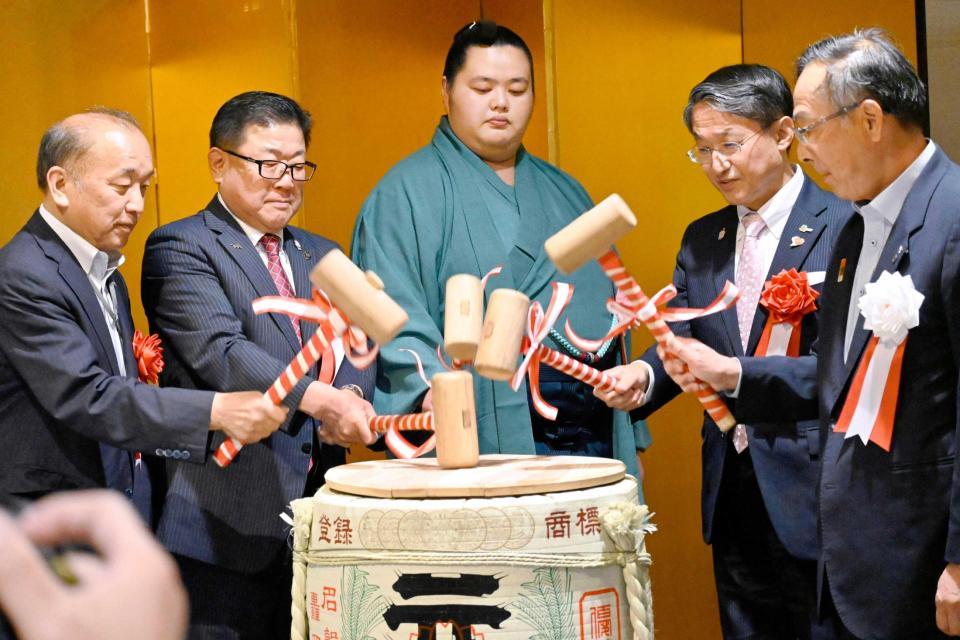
(803, 132)
(704, 155)
(274, 169)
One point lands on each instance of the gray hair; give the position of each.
(865, 64)
(751, 91)
(64, 144)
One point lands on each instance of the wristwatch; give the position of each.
(354, 389)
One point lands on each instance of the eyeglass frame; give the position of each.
(802, 132)
(691, 152)
(287, 167)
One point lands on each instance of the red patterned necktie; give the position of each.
(271, 245)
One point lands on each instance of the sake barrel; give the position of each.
(546, 547)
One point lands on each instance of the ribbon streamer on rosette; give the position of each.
(331, 324)
(539, 324)
(788, 297)
(890, 307)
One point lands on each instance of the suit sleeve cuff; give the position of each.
(735, 393)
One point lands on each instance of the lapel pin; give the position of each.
(236, 246)
(805, 229)
(842, 269)
(723, 232)
(900, 252)
(796, 241)
(296, 243)
(306, 254)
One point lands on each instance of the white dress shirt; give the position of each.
(255, 235)
(879, 215)
(98, 266)
(774, 213)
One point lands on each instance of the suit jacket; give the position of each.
(200, 276)
(784, 452)
(68, 418)
(890, 521)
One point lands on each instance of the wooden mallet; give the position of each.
(591, 236)
(360, 308)
(453, 420)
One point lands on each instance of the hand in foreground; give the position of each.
(130, 589)
(344, 415)
(948, 600)
(246, 416)
(690, 363)
(631, 386)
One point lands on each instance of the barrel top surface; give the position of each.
(495, 475)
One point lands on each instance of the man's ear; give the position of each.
(783, 132)
(217, 160)
(445, 94)
(872, 119)
(56, 186)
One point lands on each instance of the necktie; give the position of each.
(750, 282)
(271, 245)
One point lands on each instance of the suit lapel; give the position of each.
(69, 269)
(237, 245)
(302, 260)
(806, 215)
(724, 238)
(126, 325)
(896, 249)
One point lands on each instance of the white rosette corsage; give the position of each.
(890, 308)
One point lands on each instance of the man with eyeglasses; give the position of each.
(884, 381)
(759, 480)
(200, 275)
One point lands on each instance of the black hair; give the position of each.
(751, 91)
(481, 34)
(256, 108)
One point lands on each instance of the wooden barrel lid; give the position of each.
(495, 475)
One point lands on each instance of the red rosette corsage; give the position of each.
(149, 354)
(788, 297)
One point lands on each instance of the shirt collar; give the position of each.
(94, 262)
(253, 234)
(888, 204)
(776, 210)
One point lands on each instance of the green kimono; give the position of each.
(443, 211)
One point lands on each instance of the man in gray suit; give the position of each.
(200, 275)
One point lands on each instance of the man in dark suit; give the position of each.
(889, 509)
(200, 275)
(759, 480)
(72, 413)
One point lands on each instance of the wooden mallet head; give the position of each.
(455, 420)
(360, 295)
(591, 235)
(463, 316)
(503, 326)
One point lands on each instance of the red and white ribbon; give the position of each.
(636, 306)
(331, 324)
(788, 297)
(871, 404)
(891, 307)
(539, 324)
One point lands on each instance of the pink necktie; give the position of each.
(750, 282)
(271, 245)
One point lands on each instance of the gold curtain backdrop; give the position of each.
(612, 78)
